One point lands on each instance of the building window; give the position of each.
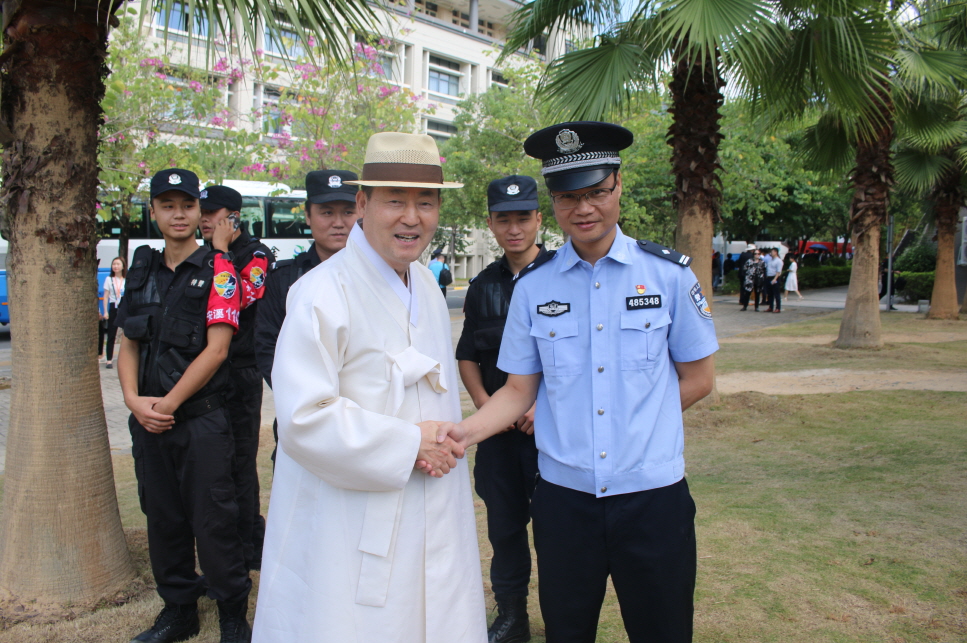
(440, 131)
(429, 8)
(461, 19)
(272, 112)
(441, 78)
(285, 41)
(497, 79)
(175, 17)
(486, 28)
(540, 45)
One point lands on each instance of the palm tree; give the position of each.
(686, 38)
(60, 532)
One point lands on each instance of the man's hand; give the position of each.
(222, 235)
(435, 457)
(526, 423)
(145, 411)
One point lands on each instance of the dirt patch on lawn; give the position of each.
(888, 338)
(835, 380)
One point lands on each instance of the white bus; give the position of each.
(270, 211)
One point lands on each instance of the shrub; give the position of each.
(919, 285)
(919, 258)
(823, 276)
(730, 285)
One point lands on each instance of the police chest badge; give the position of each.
(553, 309)
(335, 181)
(225, 284)
(513, 189)
(568, 142)
(701, 304)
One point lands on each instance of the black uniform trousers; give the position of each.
(188, 495)
(644, 540)
(775, 293)
(245, 410)
(505, 473)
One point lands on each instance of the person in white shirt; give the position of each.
(113, 291)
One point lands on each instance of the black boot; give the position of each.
(174, 623)
(512, 624)
(232, 621)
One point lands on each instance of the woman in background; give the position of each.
(792, 280)
(113, 291)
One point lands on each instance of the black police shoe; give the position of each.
(174, 623)
(233, 622)
(512, 624)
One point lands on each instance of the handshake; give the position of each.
(441, 444)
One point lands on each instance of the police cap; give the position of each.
(217, 197)
(174, 179)
(512, 193)
(323, 186)
(578, 154)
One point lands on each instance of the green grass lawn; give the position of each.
(891, 322)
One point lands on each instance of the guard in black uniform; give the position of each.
(506, 464)
(330, 215)
(179, 312)
(251, 259)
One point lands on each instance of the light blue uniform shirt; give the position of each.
(609, 418)
(773, 266)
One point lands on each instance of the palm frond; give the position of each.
(534, 19)
(827, 146)
(932, 125)
(708, 27)
(926, 71)
(918, 171)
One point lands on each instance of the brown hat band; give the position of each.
(409, 172)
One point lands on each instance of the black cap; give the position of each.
(514, 192)
(174, 179)
(578, 154)
(323, 186)
(216, 197)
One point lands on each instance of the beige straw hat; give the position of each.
(403, 160)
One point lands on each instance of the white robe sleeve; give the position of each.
(331, 436)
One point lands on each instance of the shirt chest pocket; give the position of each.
(557, 341)
(644, 338)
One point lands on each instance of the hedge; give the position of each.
(823, 276)
(919, 286)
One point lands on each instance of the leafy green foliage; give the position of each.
(919, 258)
(919, 285)
(823, 276)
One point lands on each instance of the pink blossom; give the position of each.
(275, 172)
(128, 92)
(142, 164)
(221, 65)
(359, 89)
(217, 121)
(151, 134)
(111, 139)
(97, 204)
(286, 118)
(152, 62)
(443, 159)
(342, 148)
(321, 144)
(160, 75)
(383, 42)
(304, 155)
(387, 91)
(312, 41)
(335, 127)
(258, 53)
(237, 74)
(195, 85)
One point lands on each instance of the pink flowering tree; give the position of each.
(328, 109)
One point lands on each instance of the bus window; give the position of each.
(253, 215)
(287, 218)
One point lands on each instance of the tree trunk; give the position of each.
(60, 531)
(694, 138)
(943, 301)
(872, 180)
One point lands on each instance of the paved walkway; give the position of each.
(729, 321)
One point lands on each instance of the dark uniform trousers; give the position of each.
(505, 473)
(645, 541)
(188, 496)
(245, 410)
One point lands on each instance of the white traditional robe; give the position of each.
(359, 546)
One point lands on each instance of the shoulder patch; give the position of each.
(665, 253)
(537, 263)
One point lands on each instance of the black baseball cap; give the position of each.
(323, 186)
(175, 179)
(514, 192)
(216, 197)
(578, 154)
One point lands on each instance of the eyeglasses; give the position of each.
(598, 196)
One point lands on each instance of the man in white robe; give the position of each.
(360, 546)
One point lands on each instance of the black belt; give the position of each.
(199, 407)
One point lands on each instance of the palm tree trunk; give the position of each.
(872, 180)
(60, 531)
(943, 301)
(694, 137)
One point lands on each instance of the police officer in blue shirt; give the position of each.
(614, 338)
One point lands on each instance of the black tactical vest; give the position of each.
(171, 327)
(241, 353)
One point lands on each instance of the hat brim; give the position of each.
(577, 179)
(175, 188)
(333, 196)
(405, 184)
(513, 206)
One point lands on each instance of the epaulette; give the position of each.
(665, 253)
(537, 263)
(473, 279)
(282, 264)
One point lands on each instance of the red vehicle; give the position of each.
(831, 247)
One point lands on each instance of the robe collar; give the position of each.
(403, 291)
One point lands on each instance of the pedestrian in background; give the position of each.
(113, 291)
(751, 276)
(773, 289)
(792, 278)
(441, 271)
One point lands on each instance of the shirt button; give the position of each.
(604, 454)
(600, 326)
(600, 411)
(552, 333)
(597, 284)
(647, 324)
(604, 489)
(600, 369)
